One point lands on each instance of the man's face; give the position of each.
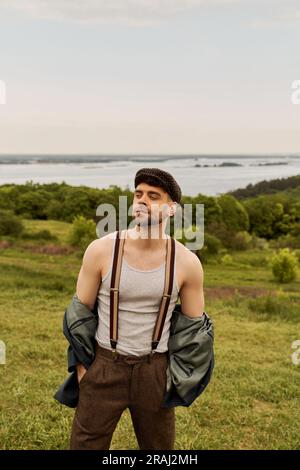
(150, 204)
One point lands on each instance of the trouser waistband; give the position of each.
(129, 359)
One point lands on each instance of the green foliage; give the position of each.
(284, 265)
(212, 209)
(58, 200)
(272, 216)
(40, 235)
(10, 224)
(212, 246)
(275, 304)
(267, 187)
(241, 240)
(33, 204)
(259, 243)
(285, 241)
(234, 220)
(297, 253)
(234, 215)
(188, 234)
(269, 217)
(83, 232)
(227, 259)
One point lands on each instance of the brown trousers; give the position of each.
(112, 385)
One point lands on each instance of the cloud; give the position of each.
(130, 11)
(286, 17)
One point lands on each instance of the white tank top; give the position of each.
(139, 299)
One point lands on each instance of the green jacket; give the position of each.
(190, 349)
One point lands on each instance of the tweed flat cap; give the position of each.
(160, 178)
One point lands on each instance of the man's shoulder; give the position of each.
(100, 246)
(186, 257)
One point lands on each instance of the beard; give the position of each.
(148, 220)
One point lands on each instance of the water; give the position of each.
(103, 171)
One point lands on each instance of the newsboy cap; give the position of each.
(160, 178)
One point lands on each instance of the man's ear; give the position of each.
(172, 208)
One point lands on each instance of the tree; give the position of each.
(234, 215)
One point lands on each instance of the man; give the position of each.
(137, 378)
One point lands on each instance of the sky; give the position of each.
(149, 76)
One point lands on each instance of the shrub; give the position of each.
(285, 241)
(259, 242)
(83, 232)
(226, 259)
(284, 265)
(241, 240)
(234, 215)
(10, 224)
(212, 246)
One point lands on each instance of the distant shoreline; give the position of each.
(27, 159)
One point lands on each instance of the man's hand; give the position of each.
(81, 370)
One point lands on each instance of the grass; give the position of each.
(252, 401)
(57, 228)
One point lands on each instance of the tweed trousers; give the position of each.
(109, 387)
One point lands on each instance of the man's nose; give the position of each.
(143, 201)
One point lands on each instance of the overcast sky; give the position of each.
(149, 76)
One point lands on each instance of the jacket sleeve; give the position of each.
(191, 358)
(79, 327)
(73, 361)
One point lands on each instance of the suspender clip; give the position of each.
(114, 354)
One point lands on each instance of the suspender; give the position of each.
(114, 291)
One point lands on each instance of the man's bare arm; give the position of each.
(191, 292)
(88, 283)
(89, 278)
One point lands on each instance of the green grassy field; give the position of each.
(252, 401)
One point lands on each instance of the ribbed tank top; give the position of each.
(139, 300)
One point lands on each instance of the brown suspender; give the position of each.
(114, 291)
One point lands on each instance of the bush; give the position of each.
(83, 232)
(234, 215)
(10, 224)
(241, 240)
(259, 242)
(33, 204)
(285, 241)
(212, 246)
(228, 237)
(226, 259)
(284, 265)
